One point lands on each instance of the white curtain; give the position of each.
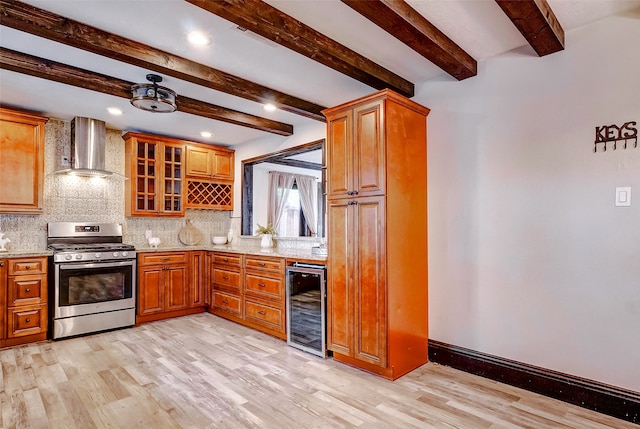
(279, 186)
(308, 189)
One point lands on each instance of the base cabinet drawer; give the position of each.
(264, 286)
(26, 320)
(26, 290)
(27, 266)
(227, 302)
(228, 278)
(268, 316)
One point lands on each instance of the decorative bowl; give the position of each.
(219, 239)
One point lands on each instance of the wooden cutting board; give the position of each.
(189, 235)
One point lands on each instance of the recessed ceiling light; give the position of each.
(269, 107)
(206, 134)
(114, 111)
(198, 38)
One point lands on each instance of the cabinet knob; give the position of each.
(28, 267)
(225, 277)
(352, 193)
(27, 290)
(225, 301)
(262, 313)
(262, 264)
(1, 264)
(261, 284)
(28, 320)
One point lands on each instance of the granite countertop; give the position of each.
(246, 250)
(25, 253)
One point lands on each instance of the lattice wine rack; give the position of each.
(208, 195)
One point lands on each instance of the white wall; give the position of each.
(528, 257)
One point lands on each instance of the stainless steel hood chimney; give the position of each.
(88, 147)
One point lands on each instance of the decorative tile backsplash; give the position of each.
(83, 199)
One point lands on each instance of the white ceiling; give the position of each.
(478, 26)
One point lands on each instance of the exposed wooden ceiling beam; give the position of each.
(54, 27)
(269, 22)
(403, 22)
(58, 72)
(537, 23)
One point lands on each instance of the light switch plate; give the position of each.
(623, 197)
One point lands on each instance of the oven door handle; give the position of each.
(130, 262)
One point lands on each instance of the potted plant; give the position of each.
(267, 233)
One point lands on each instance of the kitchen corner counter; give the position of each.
(246, 250)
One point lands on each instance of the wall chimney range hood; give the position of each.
(88, 148)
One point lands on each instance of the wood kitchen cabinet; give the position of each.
(225, 273)
(24, 300)
(163, 285)
(3, 301)
(249, 290)
(155, 168)
(264, 294)
(209, 162)
(198, 272)
(209, 177)
(21, 162)
(377, 240)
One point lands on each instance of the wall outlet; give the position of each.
(148, 234)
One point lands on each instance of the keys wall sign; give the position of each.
(627, 132)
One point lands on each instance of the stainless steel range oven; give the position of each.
(93, 278)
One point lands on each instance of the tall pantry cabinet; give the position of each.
(377, 240)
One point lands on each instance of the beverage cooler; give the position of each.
(306, 308)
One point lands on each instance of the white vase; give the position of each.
(267, 240)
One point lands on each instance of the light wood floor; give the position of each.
(204, 372)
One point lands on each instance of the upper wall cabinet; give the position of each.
(170, 175)
(21, 162)
(208, 162)
(155, 168)
(209, 177)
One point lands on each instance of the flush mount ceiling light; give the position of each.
(153, 98)
(199, 39)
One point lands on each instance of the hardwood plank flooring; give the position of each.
(202, 371)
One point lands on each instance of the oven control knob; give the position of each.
(125, 253)
(78, 256)
(115, 254)
(97, 255)
(67, 257)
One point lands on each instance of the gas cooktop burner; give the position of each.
(89, 247)
(88, 242)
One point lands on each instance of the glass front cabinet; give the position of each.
(155, 168)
